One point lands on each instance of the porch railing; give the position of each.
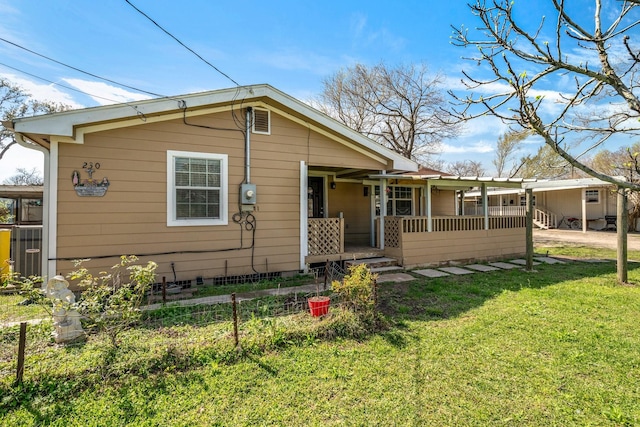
(394, 226)
(325, 236)
(545, 219)
(497, 210)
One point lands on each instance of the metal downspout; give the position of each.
(247, 146)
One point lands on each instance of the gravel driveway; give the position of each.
(602, 239)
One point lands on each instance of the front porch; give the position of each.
(326, 242)
(417, 219)
(417, 240)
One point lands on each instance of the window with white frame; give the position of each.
(399, 201)
(196, 188)
(592, 196)
(523, 200)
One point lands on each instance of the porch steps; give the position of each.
(540, 225)
(376, 265)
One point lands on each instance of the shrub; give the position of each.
(357, 290)
(109, 300)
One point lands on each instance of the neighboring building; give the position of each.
(21, 209)
(22, 204)
(590, 200)
(242, 181)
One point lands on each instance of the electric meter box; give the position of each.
(248, 194)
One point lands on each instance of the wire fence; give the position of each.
(26, 329)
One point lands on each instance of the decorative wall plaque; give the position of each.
(89, 187)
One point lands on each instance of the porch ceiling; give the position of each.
(459, 182)
(343, 173)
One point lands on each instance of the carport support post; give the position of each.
(529, 200)
(621, 229)
(485, 205)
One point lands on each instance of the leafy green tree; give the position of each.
(5, 212)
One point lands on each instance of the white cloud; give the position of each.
(381, 37)
(464, 148)
(358, 24)
(42, 92)
(20, 157)
(302, 61)
(105, 94)
(484, 126)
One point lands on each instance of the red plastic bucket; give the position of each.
(319, 306)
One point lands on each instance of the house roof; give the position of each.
(547, 185)
(428, 171)
(21, 191)
(70, 126)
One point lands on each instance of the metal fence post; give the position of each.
(21, 349)
(235, 319)
(326, 274)
(375, 294)
(164, 290)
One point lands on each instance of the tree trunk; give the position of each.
(621, 228)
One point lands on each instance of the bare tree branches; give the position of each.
(567, 80)
(402, 108)
(25, 177)
(465, 168)
(505, 159)
(16, 102)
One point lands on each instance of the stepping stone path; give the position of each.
(549, 260)
(456, 270)
(395, 277)
(482, 267)
(431, 273)
(503, 265)
(522, 262)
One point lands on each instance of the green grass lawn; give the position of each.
(12, 311)
(554, 347)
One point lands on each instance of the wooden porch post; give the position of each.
(485, 205)
(383, 209)
(621, 230)
(304, 215)
(429, 225)
(584, 210)
(529, 233)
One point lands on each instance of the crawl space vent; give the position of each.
(261, 122)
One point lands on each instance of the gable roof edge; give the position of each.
(64, 123)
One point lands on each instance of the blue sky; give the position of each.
(291, 45)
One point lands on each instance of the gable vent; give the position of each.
(261, 122)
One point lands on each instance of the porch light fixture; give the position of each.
(333, 185)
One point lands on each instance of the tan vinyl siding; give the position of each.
(349, 199)
(443, 202)
(420, 249)
(132, 216)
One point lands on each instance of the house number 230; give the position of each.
(90, 165)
